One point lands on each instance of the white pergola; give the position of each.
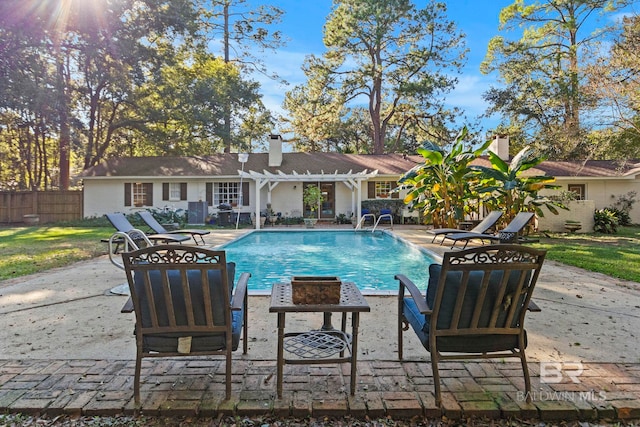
(353, 181)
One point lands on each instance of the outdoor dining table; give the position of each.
(326, 344)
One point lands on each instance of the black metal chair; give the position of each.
(185, 304)
(474, 306)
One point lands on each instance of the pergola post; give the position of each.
(359, 201)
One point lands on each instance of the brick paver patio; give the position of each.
(195, 387)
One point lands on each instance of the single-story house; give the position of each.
(274, 179)
(277, 179)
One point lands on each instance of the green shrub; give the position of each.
(168, 216)
(622, 216)
(606, 221)
(622, 206)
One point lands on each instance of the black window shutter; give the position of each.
(183, 191)
(209, 194)
(127, 194)
(245, 194)
(148, 189)
(371, 190)
(395, 195)
(165, 191)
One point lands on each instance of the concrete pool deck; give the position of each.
(67, 320)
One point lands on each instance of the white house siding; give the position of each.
(102, 196)
(106, 195)
(579, 210)
(605, 192)
(343, 199)
(286, 198)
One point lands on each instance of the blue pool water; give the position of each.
(368, 259)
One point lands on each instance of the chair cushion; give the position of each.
(485, 343)
(417, 321)
(200, 342)
(169, 342)
(452, 283)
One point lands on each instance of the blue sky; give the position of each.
(303, 22)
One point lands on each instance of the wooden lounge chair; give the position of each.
(185, 305)
(509, 234)
(474, 306)
(483, 226)
(148, 218)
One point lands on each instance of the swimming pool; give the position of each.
(368, 259)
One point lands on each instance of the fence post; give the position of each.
(34, 201)
(9, 207)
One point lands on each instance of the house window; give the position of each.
(381, 190)
(138, 194)
(174, 191)
(578, 189)
(227, 192)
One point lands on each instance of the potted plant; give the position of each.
(311, 197)
(273, 218)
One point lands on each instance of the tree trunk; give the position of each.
(63, 116)
(226, 136)
(573, 121)
(375, 104)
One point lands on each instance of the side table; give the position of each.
(324, 345)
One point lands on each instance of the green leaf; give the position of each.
(497, 162)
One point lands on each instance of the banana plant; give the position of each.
(441, 186)
(505, 186)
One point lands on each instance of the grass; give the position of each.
(616, 255)
(28, 250)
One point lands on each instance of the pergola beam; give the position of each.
(320, 177)
(352, 180)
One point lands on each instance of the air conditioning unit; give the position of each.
(197, 212)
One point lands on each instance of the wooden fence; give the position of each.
(50, 206)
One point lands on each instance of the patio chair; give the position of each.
(509, 234)
(185, 305)
(483, 226)
(196, 234)
(122, 224)
(479, 297)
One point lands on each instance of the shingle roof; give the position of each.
(590, 168)
(583, 169)
(328, 163)
(228, 165)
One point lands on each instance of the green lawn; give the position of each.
(27, 250)
(616, 255)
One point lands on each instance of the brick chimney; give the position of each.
(275, 150)
(500, 146)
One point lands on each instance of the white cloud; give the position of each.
(468, 93)
(287, 65)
